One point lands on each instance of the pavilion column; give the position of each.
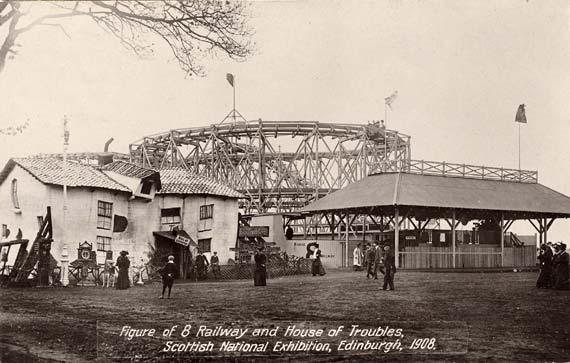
(502, 240)
(545, 230)
(347, 223)
(397, 237)
(453, 252)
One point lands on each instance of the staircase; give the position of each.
(515, 241)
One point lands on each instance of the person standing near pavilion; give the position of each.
(560, 267)
(123, 264)
(215, 262)
(168, 273)
(357, 257)
(260, 272)
(545, 257)
(369, 260)
(317, 268)
(390, 263)
(378, 259)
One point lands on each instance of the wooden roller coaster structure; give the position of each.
(278, 166)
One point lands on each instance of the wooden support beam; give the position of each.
(397, 238)
(412, 222)
(534, 225)
(502, 240)
(453, 237)
(347, 261)
(549, 223)
(509, 224)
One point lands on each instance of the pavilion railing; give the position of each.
(460, 170)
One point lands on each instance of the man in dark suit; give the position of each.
(215, 261)
(378, 259)
(168, 273)
(369, 257)
(390, 263)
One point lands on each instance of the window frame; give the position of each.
(146, 184)
(206, 211)
(201, 243)
(167, 218)
(103, 219)
(15, 200)
(105, 241)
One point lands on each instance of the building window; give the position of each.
(146, 187)
(104, 215)
(15, 201)
(5, 231)
(206, 211)
(204, 245)
(103, 243)
(170, 216)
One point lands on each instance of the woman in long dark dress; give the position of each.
(260, 273)
(560, 267)
(123, 264)
(545, 258)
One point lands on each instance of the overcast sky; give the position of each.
(461, 68)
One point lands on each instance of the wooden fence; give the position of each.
(472, 256)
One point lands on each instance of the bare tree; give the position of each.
(14, 130)
(191, 28)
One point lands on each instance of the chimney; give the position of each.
(106, 157)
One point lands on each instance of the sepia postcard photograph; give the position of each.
(284, 181)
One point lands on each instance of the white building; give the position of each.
(116, 207)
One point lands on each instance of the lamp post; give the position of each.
(64, 252)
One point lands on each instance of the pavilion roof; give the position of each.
(429, 191)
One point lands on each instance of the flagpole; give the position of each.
(385, 139)
(234, 88)
(519, 145)
(64, 253)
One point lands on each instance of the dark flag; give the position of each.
(521, 116)
(120, 224)
(230, 78)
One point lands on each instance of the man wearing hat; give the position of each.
(390, 264)
(168, 273)
(560, 267)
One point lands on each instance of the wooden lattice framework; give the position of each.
(278, 165)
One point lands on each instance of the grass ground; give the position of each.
(492, 317)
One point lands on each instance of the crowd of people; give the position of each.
(373, 258)
(554, 273)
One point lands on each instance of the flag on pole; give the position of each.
(389, 100)
(230, 78)
(521, 116)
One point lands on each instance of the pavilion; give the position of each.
(423, 191)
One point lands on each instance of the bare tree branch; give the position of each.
(192, 29)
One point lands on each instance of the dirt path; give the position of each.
(491, 317)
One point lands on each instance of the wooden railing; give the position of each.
(461, 170)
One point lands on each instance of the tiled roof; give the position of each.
(182, 181)
(129, 169)
(50, 171)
